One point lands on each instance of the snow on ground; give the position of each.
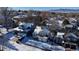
(20, 47)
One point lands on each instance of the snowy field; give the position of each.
(13, 46)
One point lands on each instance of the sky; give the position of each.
(42, 8)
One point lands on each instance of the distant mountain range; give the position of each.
(65, 10)
(51, 9)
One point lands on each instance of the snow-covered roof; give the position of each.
(3, 30)
(26, 25)
(78, 28)
(20, 16)
(33, 15)
(17, 29)
(38, 29)
(69, 26)
(60, 33)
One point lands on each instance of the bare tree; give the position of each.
(6, 12)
